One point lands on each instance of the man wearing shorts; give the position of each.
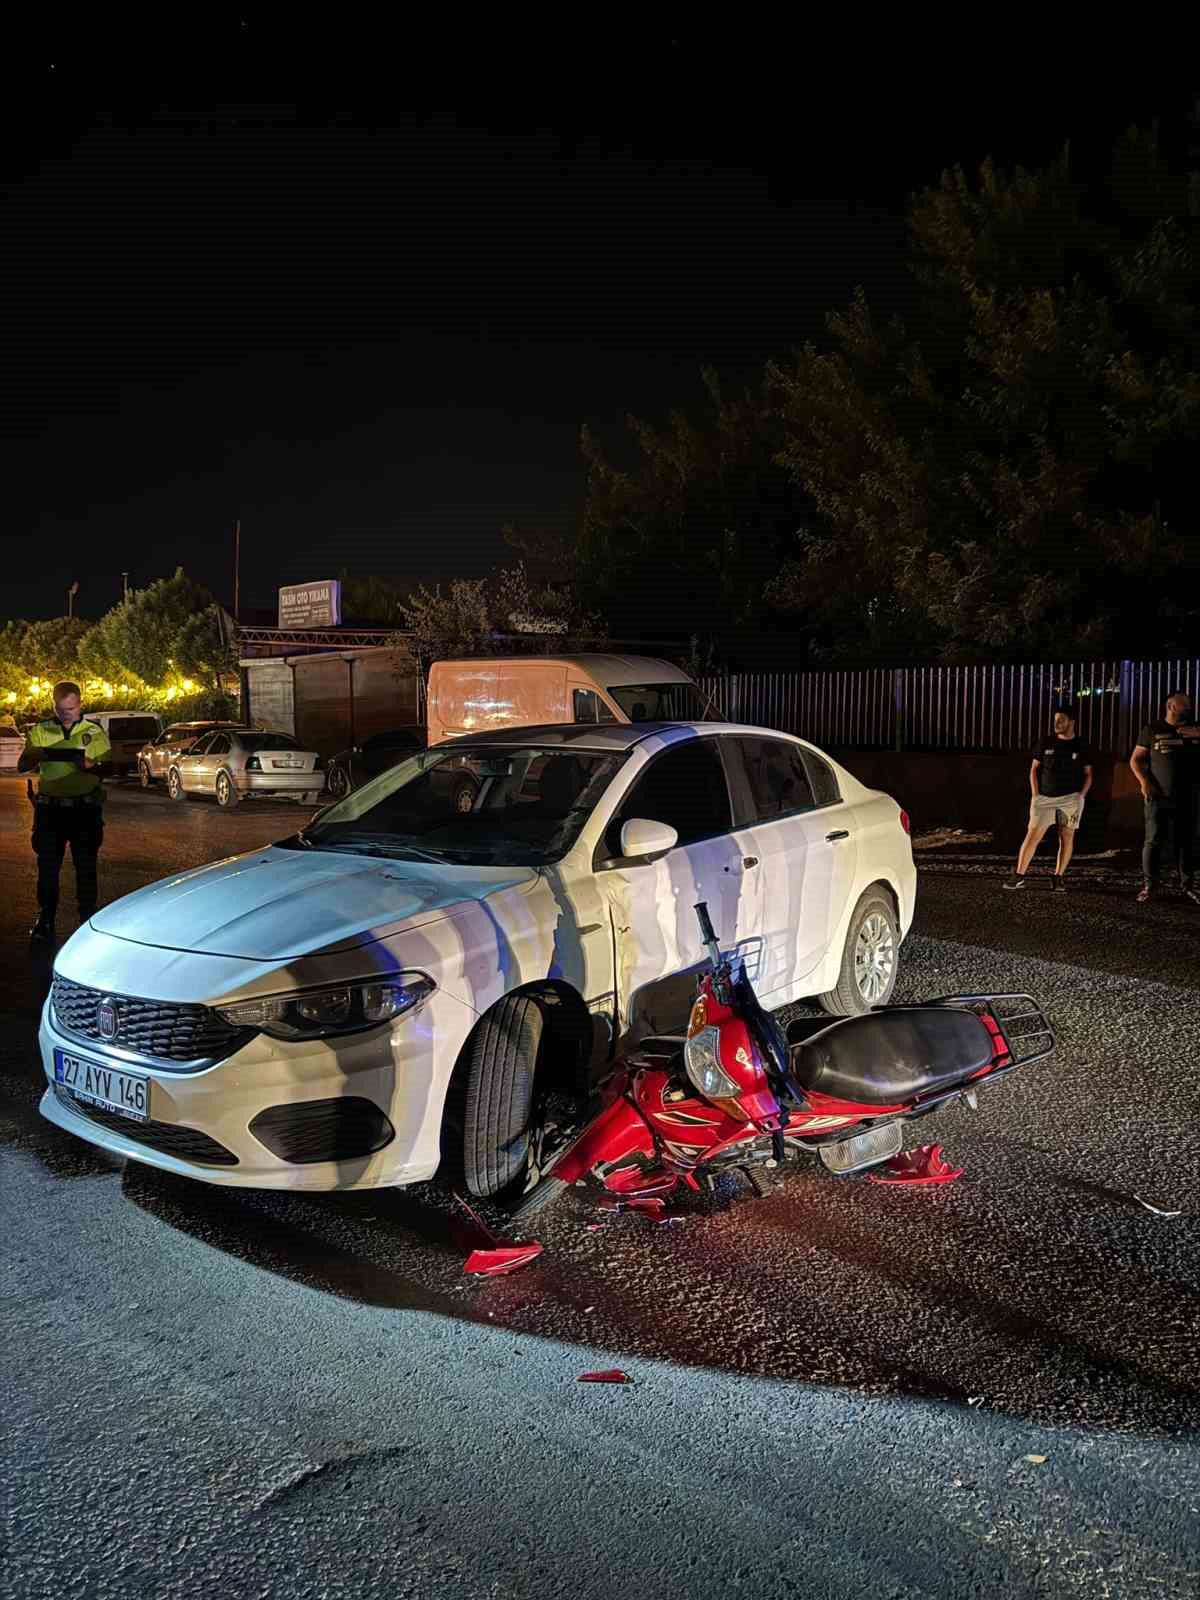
(1060, 775)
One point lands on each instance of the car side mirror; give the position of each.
(642, 839)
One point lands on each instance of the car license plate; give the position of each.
(123, 1092)
(864, 1149)
(294, 763)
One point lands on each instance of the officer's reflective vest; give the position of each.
(63, 779)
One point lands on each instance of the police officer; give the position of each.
(67, 750)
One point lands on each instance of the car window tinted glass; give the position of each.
(218, 745)
(402, 739)
(821, 776)
(266, 741)
(660, 702)
(528, 806)
(685, 788)
(777, 778)
(142, 728)
(201, 746)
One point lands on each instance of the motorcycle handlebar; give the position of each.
(706, 927)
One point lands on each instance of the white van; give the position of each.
(474, 697)
(127, 732)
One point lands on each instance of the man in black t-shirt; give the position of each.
(1166, 764)
(1060, 775)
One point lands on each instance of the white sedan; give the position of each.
(402, 979)
(233, 764)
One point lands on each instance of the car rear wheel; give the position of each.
(870, 959)
(338, 783)
(501, 1062)
(227, 795)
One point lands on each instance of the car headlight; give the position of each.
(337, 1008)
(701, 1057)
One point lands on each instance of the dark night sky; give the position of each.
(360, 289)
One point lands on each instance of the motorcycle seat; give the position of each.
(887, 1057)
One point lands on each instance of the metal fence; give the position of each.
(955, 708)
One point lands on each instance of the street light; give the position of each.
(71, 593)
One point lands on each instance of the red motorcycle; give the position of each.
(739, 1090)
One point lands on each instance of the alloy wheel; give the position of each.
(874, 957)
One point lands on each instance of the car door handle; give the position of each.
(838, 833)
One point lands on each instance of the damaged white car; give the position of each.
(404, 982)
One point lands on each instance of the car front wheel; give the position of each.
(501, 1062)
(338, 783)
(870, 958)
(175, 785)
(143, 775)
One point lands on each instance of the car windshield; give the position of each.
(493, 805)
(266, 741)
(660, 702)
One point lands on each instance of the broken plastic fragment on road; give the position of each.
(920, 1166)
(612, 1202)
(1157, 1210)
(613, 1375)
(504, 1258)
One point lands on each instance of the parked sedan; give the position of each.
(350, 769)
(233, 764)
(156, 758)
(295, 1017)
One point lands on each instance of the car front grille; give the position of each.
(171, 1138)
(157, 1029)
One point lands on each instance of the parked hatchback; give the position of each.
(402, 978)
(234, 764)
(156, 757)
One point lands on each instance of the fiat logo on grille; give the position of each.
(106, 1019)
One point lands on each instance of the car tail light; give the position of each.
(905, 822)
(254, 764)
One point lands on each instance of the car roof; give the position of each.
(584, 735)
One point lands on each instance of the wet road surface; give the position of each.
(836, 1386)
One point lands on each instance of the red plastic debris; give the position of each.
(631, 1202)
(613, 1375)
(637, 1181)
(505, 1258)
(923, 1165)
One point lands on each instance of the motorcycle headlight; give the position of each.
(338, 1008)
(701, 1057)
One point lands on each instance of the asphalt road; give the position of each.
(838, 1388)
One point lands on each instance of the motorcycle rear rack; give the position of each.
(1039, 1026)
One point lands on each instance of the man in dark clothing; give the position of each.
(1060, 775)
(65, 750)
(1166, 764)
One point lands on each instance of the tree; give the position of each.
(374, 601)
(50, 649)
(685, 538)
(200, 650)
(1010, 472)
(141, 632)
(505, 614)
